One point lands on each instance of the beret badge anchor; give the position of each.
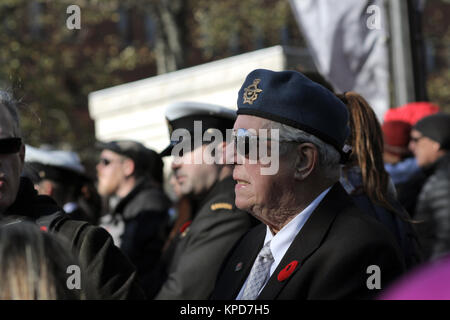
(252, 91)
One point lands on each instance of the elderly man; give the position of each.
(313, 243)
(430, 143)
(138, 222)
(195, 255)
(109, 271)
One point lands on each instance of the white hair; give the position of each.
(329, 157)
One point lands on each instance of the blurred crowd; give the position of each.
(351, 192)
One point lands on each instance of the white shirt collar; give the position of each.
(281, 242)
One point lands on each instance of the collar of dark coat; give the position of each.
(220, 187)
(28, 203)
(439, 163)
(144, 196)
(309, 238)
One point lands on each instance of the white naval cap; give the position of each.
(57, 158)
(183, 115)
(183, 109)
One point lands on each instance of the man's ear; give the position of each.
(129, 167)
(306, 161)
(22, 155)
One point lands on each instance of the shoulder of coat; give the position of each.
(221, 205)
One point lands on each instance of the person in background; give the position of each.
(194, 256)
(366, 180)
(181, 211)
(430, 144)
(112, 274)
(34, 264)
(138, 222)
(60, 175)
(399, 162)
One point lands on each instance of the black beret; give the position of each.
(145, 158)
(290, 98)
(437, 128)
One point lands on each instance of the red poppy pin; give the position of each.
(287, 271)
(185, 226)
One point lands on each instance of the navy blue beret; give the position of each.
(290, 98)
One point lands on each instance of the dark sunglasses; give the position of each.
(104, 162)
(187, 143)
(246, 142)
(10, 145)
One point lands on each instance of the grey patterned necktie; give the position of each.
(258, 274)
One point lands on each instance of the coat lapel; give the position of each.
(243, 261)
(308, 239)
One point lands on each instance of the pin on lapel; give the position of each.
(238, 267)
(287, 271)
(185, 227)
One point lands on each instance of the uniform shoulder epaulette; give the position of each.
(221, 205)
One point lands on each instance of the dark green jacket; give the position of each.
(200, 249)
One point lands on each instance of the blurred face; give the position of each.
(425, 150)
(260, 194)
(194, 179)
(110, 173)
(11, 163)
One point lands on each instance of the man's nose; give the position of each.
(176, 163)
(230, 154)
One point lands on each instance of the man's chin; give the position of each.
(4, 203)
(243, 205)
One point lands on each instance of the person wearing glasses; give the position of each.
(138, 221)
(194, 256)
(430, 144)
(109, 272)
(314, 243)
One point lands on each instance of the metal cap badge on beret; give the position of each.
(181, 115)
(290, 98)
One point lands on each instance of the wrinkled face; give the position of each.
(194, 179)
(257, 193)
(110, 173)
(11, 164)
(425, 150)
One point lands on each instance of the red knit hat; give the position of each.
(396, 136)
(411, 112)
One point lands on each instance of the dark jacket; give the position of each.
(433, 208)
(197, 252)
(332, 252)
(143, 214)
(397, 222)
(110, 273)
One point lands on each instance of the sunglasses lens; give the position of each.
(10, 145)
(242, 145)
